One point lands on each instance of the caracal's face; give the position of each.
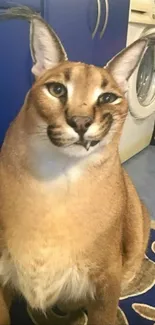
(80, 107)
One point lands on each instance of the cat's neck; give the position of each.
(48, 163)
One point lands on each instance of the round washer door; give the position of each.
(141, 93)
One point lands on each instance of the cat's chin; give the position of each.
(79, 151)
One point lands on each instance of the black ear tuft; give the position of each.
(46, 48)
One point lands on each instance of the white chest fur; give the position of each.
(47, 282)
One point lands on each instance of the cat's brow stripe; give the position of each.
(104, 83)
(67, 74)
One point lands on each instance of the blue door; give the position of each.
(111, 34)
(92, 31)
(15, 65)
(74, 21)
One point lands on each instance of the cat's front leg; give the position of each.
(5, 303)
(103, 310)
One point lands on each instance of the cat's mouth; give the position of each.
(87, 144)
(57, 138)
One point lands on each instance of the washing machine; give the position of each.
(139, 125)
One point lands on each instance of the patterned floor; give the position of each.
(138, 302)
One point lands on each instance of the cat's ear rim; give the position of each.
(46, 48)
(125, 62)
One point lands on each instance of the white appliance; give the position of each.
(139, 125)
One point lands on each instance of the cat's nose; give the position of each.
(80, 123)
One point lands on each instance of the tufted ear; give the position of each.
(46, 48)
(122, 65)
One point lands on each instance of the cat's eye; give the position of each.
(57, 89)
(107, 98)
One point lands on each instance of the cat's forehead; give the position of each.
(78, 73)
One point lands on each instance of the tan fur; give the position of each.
(73, 229)
(66, 238)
